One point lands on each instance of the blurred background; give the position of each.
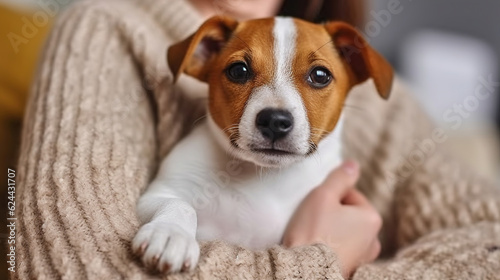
(448, 51)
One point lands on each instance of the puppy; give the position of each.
(272, 133)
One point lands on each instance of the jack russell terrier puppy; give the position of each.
(276, 92)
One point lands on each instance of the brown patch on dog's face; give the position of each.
(323, 105)
(252, 46)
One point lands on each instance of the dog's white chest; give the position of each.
(254, 208)
(236, 201)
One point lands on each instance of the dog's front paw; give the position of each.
(166, 247)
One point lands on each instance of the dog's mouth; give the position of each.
(267, 154)
(273, 152)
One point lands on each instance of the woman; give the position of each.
(103, 110)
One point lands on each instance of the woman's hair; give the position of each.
(350, 11)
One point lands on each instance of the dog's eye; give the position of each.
(238, 73)
(319, 77)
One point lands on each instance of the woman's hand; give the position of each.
(338, 215)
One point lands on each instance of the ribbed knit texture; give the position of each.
(103, 112)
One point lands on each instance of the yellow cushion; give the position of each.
(23, 34)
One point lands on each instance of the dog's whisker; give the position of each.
(331, 41)
(354, 108)
(315, 132)
(333, 137)
(229, 127)
(313, 129)
(199, 119)
(234, 126)
(320, 135)
(313, 147)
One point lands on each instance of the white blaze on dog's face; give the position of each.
(277, 86)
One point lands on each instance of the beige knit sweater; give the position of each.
(103, 112)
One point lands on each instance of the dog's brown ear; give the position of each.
(193, 55)
(363, 60)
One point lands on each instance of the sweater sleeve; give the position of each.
(87, 149)
(447, 226)
(469, 252)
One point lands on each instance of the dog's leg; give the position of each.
(167, 238)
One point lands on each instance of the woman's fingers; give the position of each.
(335, 213)
(341, 180)
(356, 198)
(374, 250)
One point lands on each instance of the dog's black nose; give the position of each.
(274, 124)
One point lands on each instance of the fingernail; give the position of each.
(350, 167)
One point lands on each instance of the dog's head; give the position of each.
(278, 85)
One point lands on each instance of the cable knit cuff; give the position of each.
(223, 261)
(307, 262)
(449, 254)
